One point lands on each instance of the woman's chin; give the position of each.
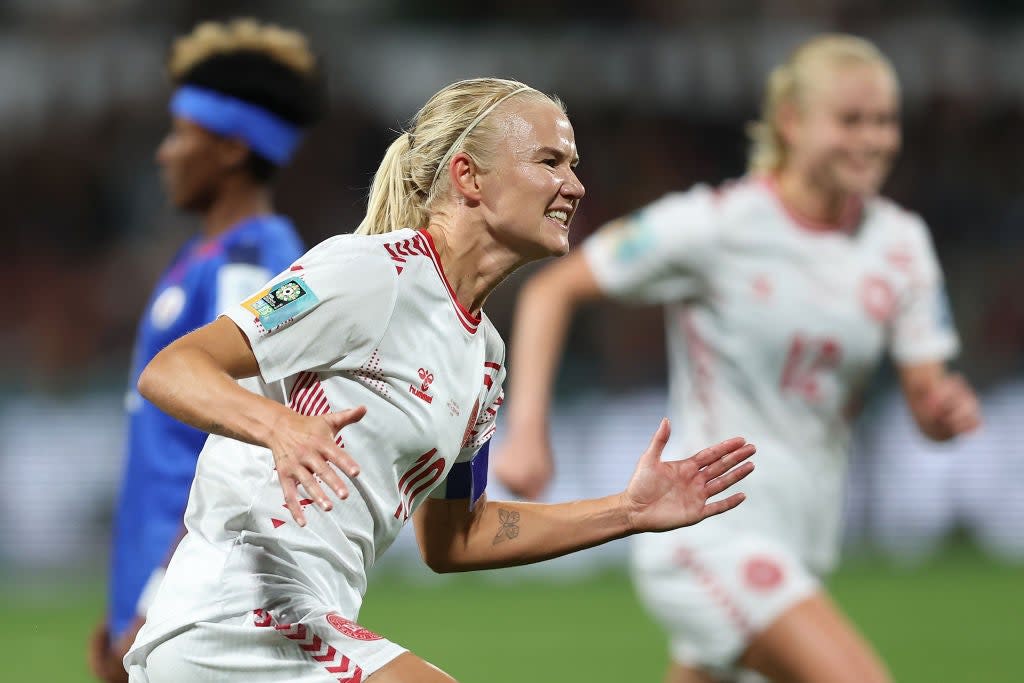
(862, 182)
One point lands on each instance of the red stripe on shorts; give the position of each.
(719, 593)
(333, 661)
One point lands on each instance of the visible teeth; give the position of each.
(561, 216)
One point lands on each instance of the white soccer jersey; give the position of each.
(774, 328)
(358, 320)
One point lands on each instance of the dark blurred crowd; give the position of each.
(87, 231)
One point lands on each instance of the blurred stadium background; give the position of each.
(659, 92)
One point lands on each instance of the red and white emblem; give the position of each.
(877, 297)
(426, 378)
(762, 573)
(351, 628)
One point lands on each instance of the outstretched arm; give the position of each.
(543, 313)
(660, 496)
(942, 403)
(194, 380)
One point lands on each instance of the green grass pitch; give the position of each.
(959, 618)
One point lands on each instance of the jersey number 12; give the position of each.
(807, 359)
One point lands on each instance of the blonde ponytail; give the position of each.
(768, 151)
(392, 202)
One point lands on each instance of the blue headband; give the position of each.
(265, 133)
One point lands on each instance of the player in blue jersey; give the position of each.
(244, 92)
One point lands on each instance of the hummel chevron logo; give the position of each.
(334, 662)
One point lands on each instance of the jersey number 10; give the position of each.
(420, 476)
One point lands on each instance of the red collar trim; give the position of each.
(852, 212)
(468, 320)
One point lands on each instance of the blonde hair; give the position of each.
(788, 84)
(455, 119)
(211, 38)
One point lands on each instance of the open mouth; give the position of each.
(558, 216)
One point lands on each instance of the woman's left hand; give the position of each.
(668, 495)
(948, 408)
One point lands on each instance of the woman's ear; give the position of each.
(788, 120)
(465, 177)
(232, 153)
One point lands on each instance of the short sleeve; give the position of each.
(922, 328)
(333, 304)
(468, 476)
(660, 253)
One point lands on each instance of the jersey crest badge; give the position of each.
(350, 628)
(281, 302)
(167, 307)
(763, 573)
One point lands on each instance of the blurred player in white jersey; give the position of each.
(782, 291)
(375, 344)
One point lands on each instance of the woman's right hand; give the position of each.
(524, 463)
(305, 449)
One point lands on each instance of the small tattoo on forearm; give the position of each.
(509, 528)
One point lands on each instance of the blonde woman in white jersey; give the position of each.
(375, 344)
(782, 290)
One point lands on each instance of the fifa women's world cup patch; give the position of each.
(632, 239)
(281, 302)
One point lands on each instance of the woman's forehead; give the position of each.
(535, 124)
(863, 83)
(183, 124)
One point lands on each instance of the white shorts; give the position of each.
(257, 648)
(713, 598)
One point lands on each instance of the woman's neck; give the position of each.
(473, 262)
(814, 205)
(234, 204)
